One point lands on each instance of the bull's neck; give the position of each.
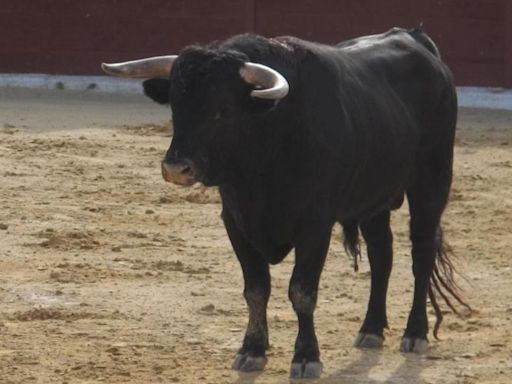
(273, 142)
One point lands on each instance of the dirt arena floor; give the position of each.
(108, 274)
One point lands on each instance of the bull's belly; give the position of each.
(362, 203)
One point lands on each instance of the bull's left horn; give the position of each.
(158, 66)
(274, 85)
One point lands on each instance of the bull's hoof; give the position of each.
(415, 345)
(368, 340)
(245, 363)
(306, 370)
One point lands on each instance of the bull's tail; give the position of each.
(351, 242)
(442, 282)
(421, 37)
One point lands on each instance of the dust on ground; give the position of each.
(108, 274)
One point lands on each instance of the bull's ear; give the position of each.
(157, 90)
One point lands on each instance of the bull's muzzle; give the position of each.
(179, 173)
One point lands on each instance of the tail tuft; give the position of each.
(443, 283)
(351, 242)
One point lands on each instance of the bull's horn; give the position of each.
(158, 66)
(274, 85)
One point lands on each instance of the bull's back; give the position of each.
(407, 61)
(390, 88)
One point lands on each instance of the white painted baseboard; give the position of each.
(74, 83)
(472, 97)
(486, 98)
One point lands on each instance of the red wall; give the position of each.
(73, 37)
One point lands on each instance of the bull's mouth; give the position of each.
(181, 174)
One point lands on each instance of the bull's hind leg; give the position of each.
(427, 200)
(379, 242)
(251, 356)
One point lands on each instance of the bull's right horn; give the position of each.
(273, 85)
(151, 67)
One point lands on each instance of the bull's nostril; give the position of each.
(186, 170)
(181, 173)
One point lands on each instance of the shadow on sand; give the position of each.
(358, 371)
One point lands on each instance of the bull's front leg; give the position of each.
(251, 356)
(310, 252)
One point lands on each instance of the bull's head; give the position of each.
(213, 95)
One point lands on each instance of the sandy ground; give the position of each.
(107, 274)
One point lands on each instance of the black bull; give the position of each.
(363, 124)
